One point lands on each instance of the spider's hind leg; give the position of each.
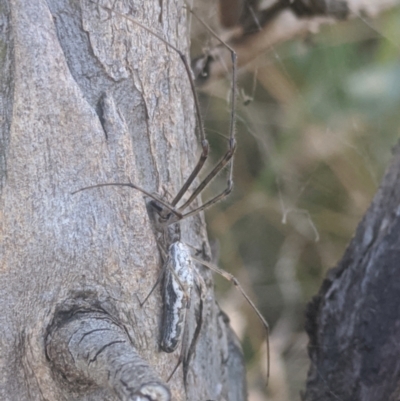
(188, 350)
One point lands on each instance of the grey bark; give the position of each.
(88, 349)
(88, 97)
(354, 321)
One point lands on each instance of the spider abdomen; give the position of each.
(178, 283)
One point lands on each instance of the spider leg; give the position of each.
(204, 142)
(175, 369)
(156, 198)
(237, 285)
(228, 157)
(194, 173)
(160, 276)
(200, 285)
(187, 353)
(222, 163)
(234, 72)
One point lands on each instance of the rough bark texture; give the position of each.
(354, 321)
(88, 97)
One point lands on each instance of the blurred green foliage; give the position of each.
(313, 144)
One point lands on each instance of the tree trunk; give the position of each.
(354, 321)
(87, 98)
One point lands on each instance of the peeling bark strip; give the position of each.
(354, 321)
(89, 348)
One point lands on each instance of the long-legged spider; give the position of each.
(180, 274)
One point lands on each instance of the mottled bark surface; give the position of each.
(88, 97)
(354, 321)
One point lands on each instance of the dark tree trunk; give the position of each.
(354, 321)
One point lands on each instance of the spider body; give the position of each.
(178, 283)
(178, 269)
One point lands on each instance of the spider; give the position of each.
(178, 270)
